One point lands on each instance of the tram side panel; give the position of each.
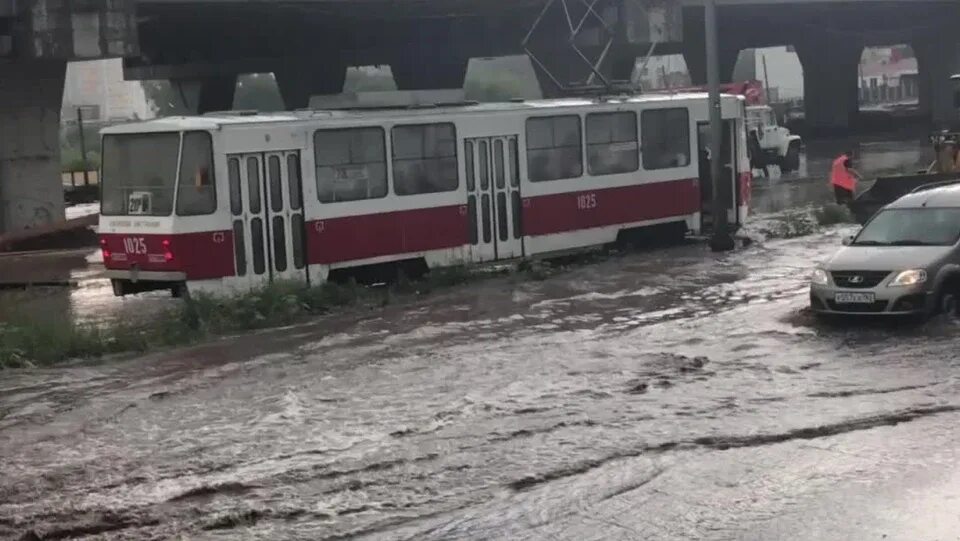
(356, 215)
(262, 195)
(611, 185)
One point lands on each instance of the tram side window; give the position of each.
(665, 138)
(198, 192)
(351, 164)
(236, 195)
(424, 159)
(554, 148)
(612, 143)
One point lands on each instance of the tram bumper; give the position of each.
(133, 280)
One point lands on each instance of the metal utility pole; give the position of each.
(83, 149)
(721, 239)
(766, 79)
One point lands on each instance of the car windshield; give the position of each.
(912, 227)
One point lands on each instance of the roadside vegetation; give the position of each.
(71, 158)
(36, 342)
(33, 341)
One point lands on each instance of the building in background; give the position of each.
(888, 77)
(783, 75)
(98, 88)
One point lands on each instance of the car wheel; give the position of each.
(948, 304)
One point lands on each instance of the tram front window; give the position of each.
(139, 174)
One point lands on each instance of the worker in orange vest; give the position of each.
(843, 178)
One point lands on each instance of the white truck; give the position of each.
(778, 146)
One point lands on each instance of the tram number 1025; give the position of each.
(587, 201)
(135, 245)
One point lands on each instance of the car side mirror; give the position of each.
(848, 240)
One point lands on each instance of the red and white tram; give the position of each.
(229, 202)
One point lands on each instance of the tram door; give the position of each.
(493, 197)
(730, 185)
(271, 197)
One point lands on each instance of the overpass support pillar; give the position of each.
(430, 56)
(420, 71)
(695, 48)
(31, 189)
(938, 58)
(830, 94)
(214, 93)
(299, 80)
(695, 45)
(696, 67)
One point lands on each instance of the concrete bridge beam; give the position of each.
(568, 69)
(419, 70)
(938, 57)
(216, 93)
(31, 190)
(830, 70)
(37, 38)
(430, 54)
(205, 94)
(697, 64)
(298, 81)
(695, 48)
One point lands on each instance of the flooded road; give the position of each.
(670, 394)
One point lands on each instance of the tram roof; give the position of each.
(214, 121)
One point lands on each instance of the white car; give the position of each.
(778, 145)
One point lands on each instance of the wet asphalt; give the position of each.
(663, 394)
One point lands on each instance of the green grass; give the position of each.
(33, 342)
(278, 304)
(38, 342)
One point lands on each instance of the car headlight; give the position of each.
(910, 277)
(819, 277)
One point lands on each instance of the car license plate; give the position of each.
(854, 298)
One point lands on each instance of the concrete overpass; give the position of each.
(309, 44)
(203, 45)
(37, 38)
(829, 38)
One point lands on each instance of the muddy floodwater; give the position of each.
(668, 394)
